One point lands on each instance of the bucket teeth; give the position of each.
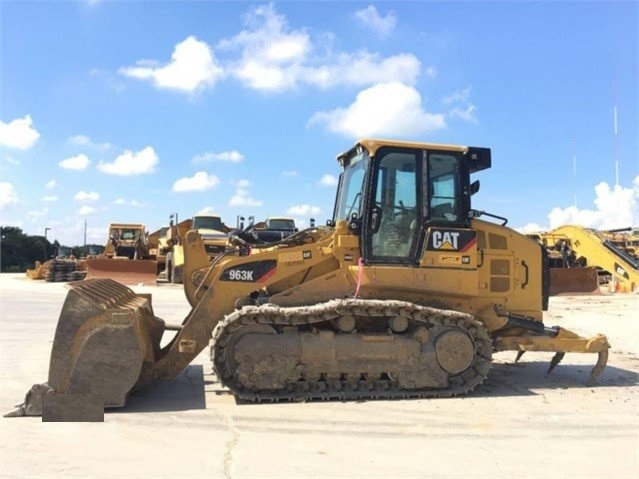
(519, 355)
(32, 405)
(556, 359)
(602, 360)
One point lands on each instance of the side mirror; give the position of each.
(474, 187)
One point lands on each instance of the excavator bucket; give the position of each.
(125, 271)
(573, 280)
(106, 341)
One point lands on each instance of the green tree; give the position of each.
(19, 251)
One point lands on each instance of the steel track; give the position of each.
(324, 315)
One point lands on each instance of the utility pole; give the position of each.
(45, 243)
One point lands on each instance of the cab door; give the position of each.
(394, 223)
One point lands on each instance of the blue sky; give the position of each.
(130, 111)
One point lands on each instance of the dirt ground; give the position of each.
(519, 424)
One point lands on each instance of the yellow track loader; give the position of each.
(406, 292)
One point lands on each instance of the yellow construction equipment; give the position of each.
(586, 248)
(64, 267)
(214, 234)
(163, 244)
(405, 293)
(126, 256)
(625, 239)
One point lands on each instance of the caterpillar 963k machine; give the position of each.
(404, 293)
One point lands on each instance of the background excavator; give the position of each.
(587, 248)
(405, 292)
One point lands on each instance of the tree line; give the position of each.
(19, 251)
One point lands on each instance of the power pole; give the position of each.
(45, 243)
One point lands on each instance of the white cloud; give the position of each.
(531, 228)
(18, 133)
(79, 140)
(79, 162)
(207, 210)
(276, 58)
(83, 140)
(192, 67)
(270, 53)
(363, 69)
(13, 161)
(50, 199)
(457, 97)
(86, 210)
(228, 156)
(51, 184)
(200, 181)
(123, 202)
(242, 197)
(35, 214)
(304, 210)
(466, 114)
(388, 109)
(243, 183)
(382, 26)
(431, 72)
(460, 105)
(84, 196)
(289, 173)
(328, 180)
(615, 208)
(8, 195)
(129, 163)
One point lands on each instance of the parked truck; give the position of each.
(274, 229)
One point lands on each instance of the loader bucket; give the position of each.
(106, 341)
(125, 271)
(573, 280)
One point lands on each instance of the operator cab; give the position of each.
(392, 192)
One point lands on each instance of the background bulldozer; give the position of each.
(126, 256)
(406, 292)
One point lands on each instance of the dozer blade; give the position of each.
(125, 271)
(573, 280)
(106, 342)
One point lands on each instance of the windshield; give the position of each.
(349, 196)
(207, 223)
(281, 224)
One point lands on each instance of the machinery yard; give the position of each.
(519, 423)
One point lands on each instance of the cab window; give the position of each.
(443, 188)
